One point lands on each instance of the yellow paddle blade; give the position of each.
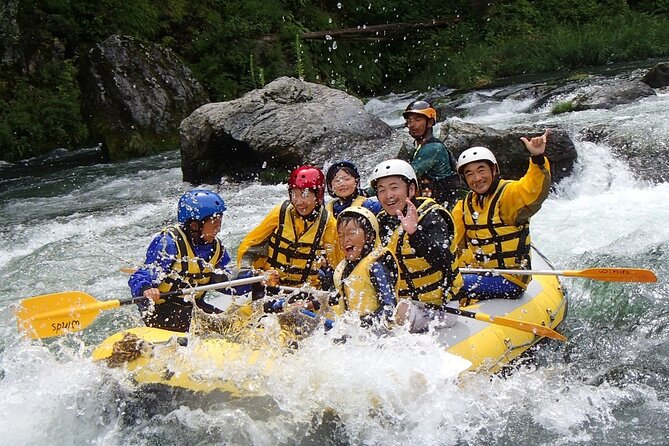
(59, 313)
(615, 274)
(529, 327)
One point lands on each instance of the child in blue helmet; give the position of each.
(184, 255)
(343, 183)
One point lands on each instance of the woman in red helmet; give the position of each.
(295, 236)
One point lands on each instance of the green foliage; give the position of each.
(562, 107)
(40, 112)
(236, 45)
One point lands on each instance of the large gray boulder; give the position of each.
(286, 123)
(509, 150)
(135, 94)
(610, 94)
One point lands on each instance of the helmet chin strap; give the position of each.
(195, 233)
(313, 214)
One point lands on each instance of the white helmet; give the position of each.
(475, 154)
(391, 168)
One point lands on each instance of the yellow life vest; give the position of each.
(357, 201)
(493, 243)
(188, 269)
(418, 279)
(295, 257)
(357, 290)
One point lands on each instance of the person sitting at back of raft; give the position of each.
(297, 238)
(420, 233)
(432, 162)
(343, 182)
(493, 220)
(366, 280)
(185, 255)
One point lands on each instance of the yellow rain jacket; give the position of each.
(293, 246)
(492, 231)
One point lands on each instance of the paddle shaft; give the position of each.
(528, 327)
(606, 274)
(58, 313)
(497, 320)
(314, 292)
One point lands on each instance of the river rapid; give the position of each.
(608, 385)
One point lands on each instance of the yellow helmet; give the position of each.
(420, 108)
(365, 214)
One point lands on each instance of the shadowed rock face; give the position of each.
(511, 154)
(9, 32)
(609, 95)
(135, 94)
(286, 123)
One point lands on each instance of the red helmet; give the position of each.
(308, 177)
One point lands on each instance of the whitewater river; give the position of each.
(608, 385)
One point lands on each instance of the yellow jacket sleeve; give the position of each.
(257, 237)
(333, 252)
(523, 198)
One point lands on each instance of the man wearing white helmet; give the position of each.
(420, 233)
(493, 221)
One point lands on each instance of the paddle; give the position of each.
(497, 320)
(528, 327)
(603, 274)
(70, 311)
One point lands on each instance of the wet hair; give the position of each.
(362, 222)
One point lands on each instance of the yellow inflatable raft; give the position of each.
(204, 364)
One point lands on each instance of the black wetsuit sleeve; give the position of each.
(432, 241)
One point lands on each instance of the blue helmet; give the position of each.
(199, 204)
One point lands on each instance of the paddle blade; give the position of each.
(528, 327)
(58, 313)
(615, 274)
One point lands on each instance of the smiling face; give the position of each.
(351, 238)
(479, 176)
(343, 184)
(392, 193)
(304, 201)
(210, 228)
